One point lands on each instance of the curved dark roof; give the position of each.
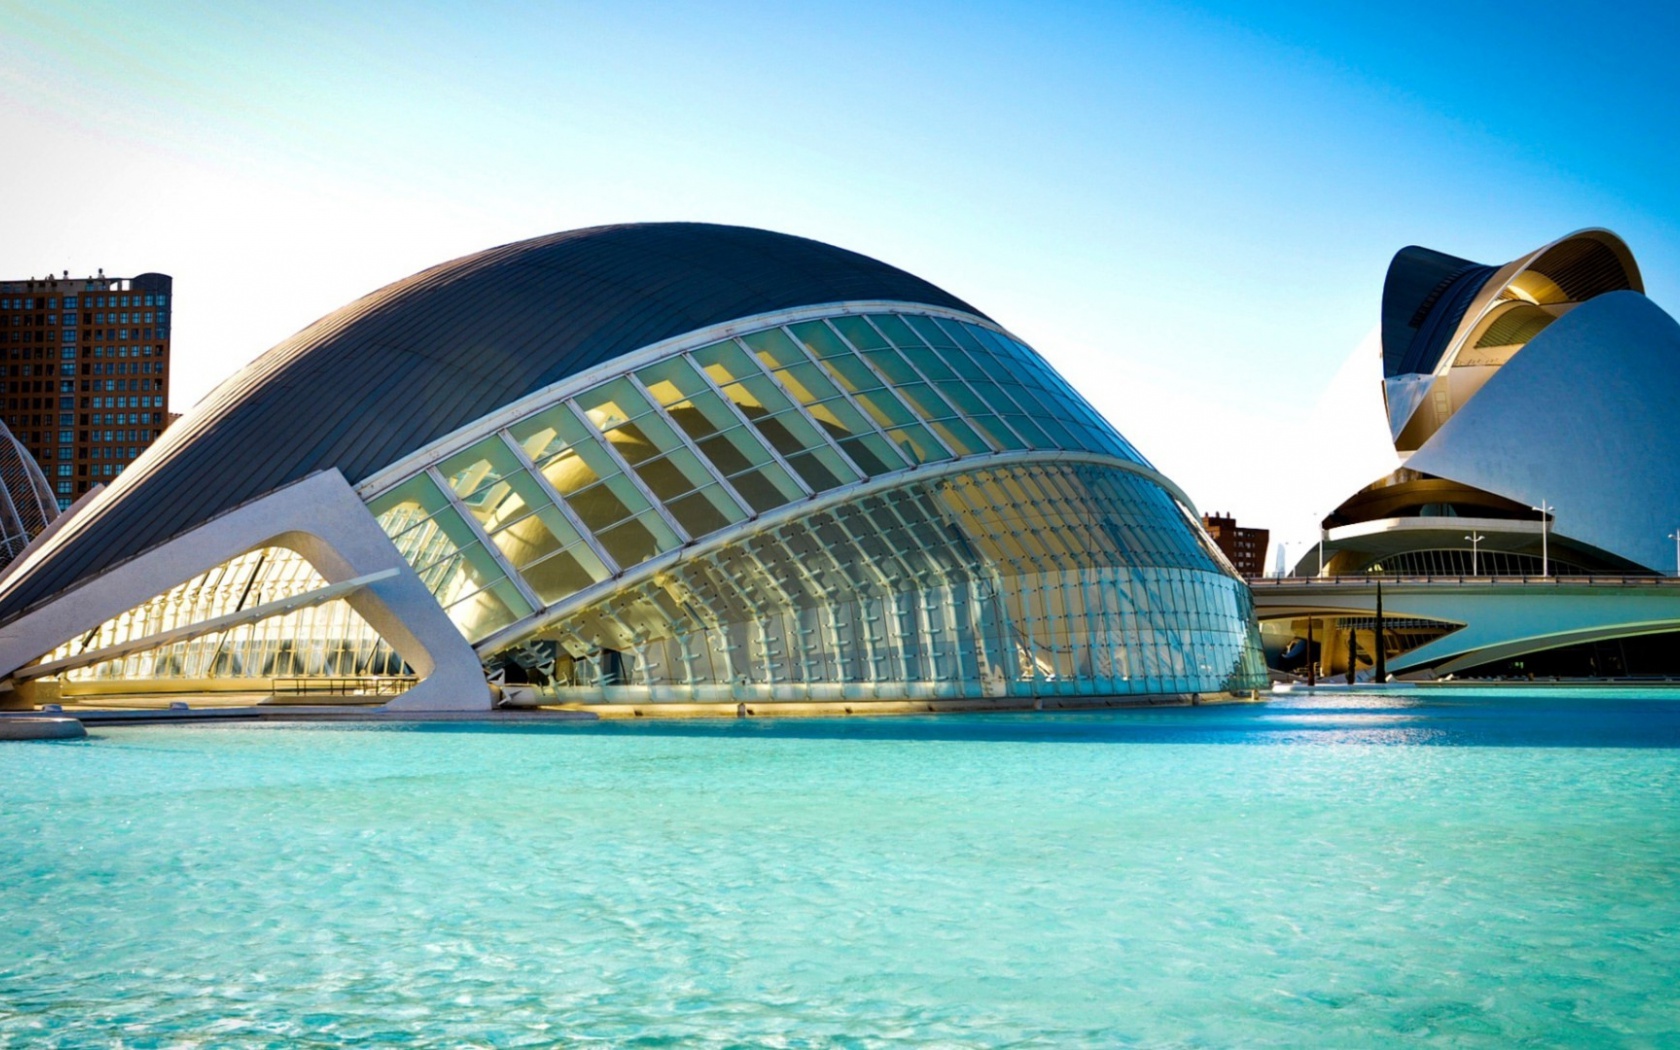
(1426, 292)
(1424, 298)
(418, 359)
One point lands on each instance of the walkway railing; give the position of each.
(368, 686)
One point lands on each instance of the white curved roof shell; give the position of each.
(1584, 418)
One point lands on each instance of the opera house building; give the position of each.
(1536, 509)
(663, 463)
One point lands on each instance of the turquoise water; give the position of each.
(1466, 871)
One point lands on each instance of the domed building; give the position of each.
(1531, 405)
(650, 463)
(1506, 387)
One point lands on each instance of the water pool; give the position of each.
(1462, 869)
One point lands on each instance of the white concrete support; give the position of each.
(1502, 618)
(324, 521)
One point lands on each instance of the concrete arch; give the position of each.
(321, 519)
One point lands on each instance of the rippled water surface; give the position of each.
(1464, 871)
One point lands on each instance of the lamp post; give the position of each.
(1321, 548)
(1312, 657)
(1474, 538)
(1545, 510)
(1381, 672)
(1675, 536)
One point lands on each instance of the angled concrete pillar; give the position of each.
(322, 519)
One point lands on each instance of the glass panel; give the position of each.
(887, 410)
(606, 504)
(774, 348)
(438, 537)
(752, 392)
(495, 503)
(873, 455)
(706, 511)
(930, 332)
(548, 433)
(970, 337)
(853, 374)
(633, 542)
(734, 451)
(481, 565)
(926, 401)
(478, 465)
(930, 364)
(689, 400)
(756, 396)
(450, 578)
(821, 469)
(766, 487)
(568, 472)
(670, 381)
(807, 382)
(665, 479)
(819, 339)
(960, 437)
(917, 444)
(677, 475)
(635, 444)
(526, 541)
(892, 364)
(859, 332)
(486, 611)
(788, 433)
(805, 450)
(725, 362)
(563, 575)
(612, 403)
(893, 327)
(1030, 431)
(409, 503)
(981, 417)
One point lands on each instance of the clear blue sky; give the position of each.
(1188, 208)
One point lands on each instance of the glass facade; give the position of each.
(646, 462)
(327, 640)
(886, 504)
(1023, 580)
(1044, 577)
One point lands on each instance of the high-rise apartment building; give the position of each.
(84, 372)
(1246, 548)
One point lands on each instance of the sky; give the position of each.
(1187, 208)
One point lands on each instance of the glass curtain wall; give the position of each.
(649, 461)
(1027, 580)
(328, 640)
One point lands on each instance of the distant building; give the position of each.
(1246, 548)
(85, 383)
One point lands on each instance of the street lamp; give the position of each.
(1675, 536)
(1545, 510)
(1474, 538)
(1380, 672)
